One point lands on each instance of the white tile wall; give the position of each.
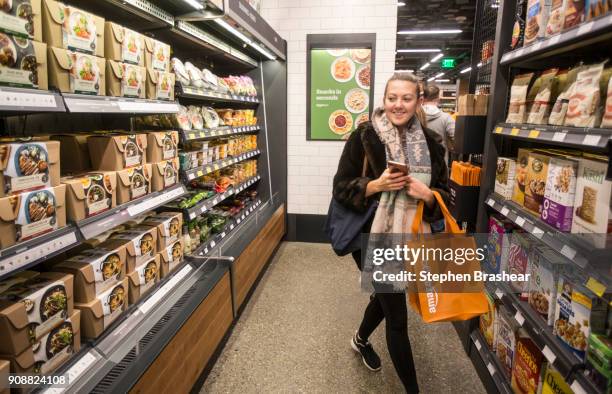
(312, 164)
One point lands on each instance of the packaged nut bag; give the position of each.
(518, 97)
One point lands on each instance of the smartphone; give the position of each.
(395, 166)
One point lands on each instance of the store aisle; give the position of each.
(294, 336)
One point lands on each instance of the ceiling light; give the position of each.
(195, 4)
(404, 71)
(423, 32)
(424, 66)
(442, 80)
(438, 56)
(465, 70)
(420, 50)
(431, 79)
(232, 30)
(262, 51)
(439, 75)
(401, 4)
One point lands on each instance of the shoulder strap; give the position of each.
(365, 165)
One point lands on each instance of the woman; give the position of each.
(397, 132)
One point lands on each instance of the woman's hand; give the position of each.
(418, 190)
(387, 182)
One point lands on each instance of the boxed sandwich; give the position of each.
(504, 177)
(537, 174)
(95, 270)
(157, 55)
(144, 277)
(99, 314)
(171, 257)
(162, 145)
(75, 72)
(125, 80)
(124, 45)
(559, 193)
(160, 85)
(527, 366)
(74, 148)
(133, 183)
(30, 309)
(114, 152)
(24, 62)
(30, 214)
(89, 194)
(16, 278)
(141, 245)
(520, 179)
(545, 266)
(22, 18)
(169, 227)
(71, 28)
(53, 350)
(29, 166)
(164, 174)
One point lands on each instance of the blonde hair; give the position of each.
(410, 77)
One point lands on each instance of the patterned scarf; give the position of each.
(396, 209)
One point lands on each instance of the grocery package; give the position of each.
(89, 194)
(522, 160)
(195, 75)
(53, 350)
(556, 19)
(469, 104)
(182, 76)
(164, 174)
(242, 86)
(537, 174)
(506, 331)
(487, 322)
(574, 13)
(537, 16)
(566, 87)
(74, 147)
(195, 117)
(32, 308)
(160, 85)
(504, 177)
(585, 98)
(596, 8)
(518, 30)
(99, 314)
(527, 365)
(518, 98)
(211, 118)
(557, 208)
(143, 278)
(157, 55)
(141, 245)
(31, 214)
(71, 28)
(607, 113)
(553, 382)
(171, 256)
(22, 18)
(518, 262)
(181, 119)
(498, 245)
(545, 267)
(28, 166)
(26, 67)
(114, 152)
(168, 225)
(123, 45)
(540, 109)
(125, 80)
(162, 145)
(76, 72)
(133, 183)
(599, 361)
(593, 192)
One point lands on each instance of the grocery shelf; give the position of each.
(598, 30)
(209, 203)
(585, 137)
(224, 131)
(23, 100)
(135, 14)
(207, 95)
(82, 103)
(217, 165)
(576, 249)
(492, 363)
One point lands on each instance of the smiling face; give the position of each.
(401, 102)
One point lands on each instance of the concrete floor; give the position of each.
(294, 336)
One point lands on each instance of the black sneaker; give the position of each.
(368, 355)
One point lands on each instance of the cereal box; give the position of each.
(518, 262)
(535, 183)
(520, 179)
(527, 364)
(487, 322)
(498, 245)
(559, 193)
(545, 266)
(504, 177)
(554, 383)
(505, 338)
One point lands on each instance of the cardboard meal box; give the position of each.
(24, 63)
(169, 227)
(133, 183)
(165, 174)
(554, 383)
(116, 152)
(504, 177)
(124, 45)
(31, 309)
(518, 262)
(31, 214)
(142, 280)
(520, 178)
(162, 145)
(53, 350)
(157, 55)
(160, 85)
(560, 192)
(141, 245)
(99, 314)
(526, 369)
(71, 28)
(487, 321)
(506, 331)
(545, 266)
(22, 18)
(29, 166)
(535, 183)
(16, 278)
(89, 194)
(5, 369)
(95, 270)
(171, 257)
(125, 80)
(76, 72)
(73, 147)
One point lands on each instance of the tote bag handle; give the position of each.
(451, 225)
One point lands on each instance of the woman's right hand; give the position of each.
(387, 182)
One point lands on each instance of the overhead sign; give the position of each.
(448, 62)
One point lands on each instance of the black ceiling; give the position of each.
(435, 14)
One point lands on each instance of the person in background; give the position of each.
(438, 120)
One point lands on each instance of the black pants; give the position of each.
(392, 308)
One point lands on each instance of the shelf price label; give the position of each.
(520, 221)
(201, 173)
(491, 202)
(505, 211)
(559, 136)
(519, 318)
(499, 129)
(534, 134)
(585, 28)
(499, 294)
(591, 139)
(191, 136)
(596, 286)
(538, 232)
(549, 354)
(478, 345)
(491, 369)
(577, 388)
(568, 252)
(514, 131)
